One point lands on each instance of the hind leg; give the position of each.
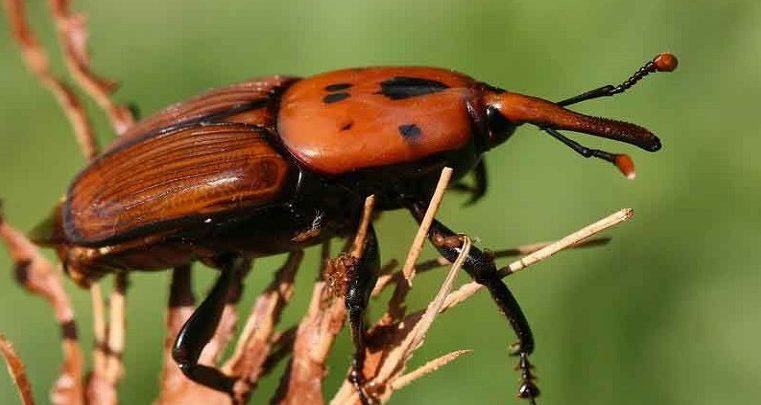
(200, 327)
(481, 269)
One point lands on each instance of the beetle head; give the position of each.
(518, 109)
(509, 110)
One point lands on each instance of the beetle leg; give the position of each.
(361, 276)
(478, 189)
(481, 268)
(200, 327)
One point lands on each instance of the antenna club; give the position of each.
(665, 62)
(625, 164)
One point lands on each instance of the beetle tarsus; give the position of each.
(480, 266)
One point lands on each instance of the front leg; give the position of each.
(200, 327)
(481, 269)
(359, 270)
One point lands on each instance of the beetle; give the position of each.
(277, 164)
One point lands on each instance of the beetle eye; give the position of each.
(499, 128)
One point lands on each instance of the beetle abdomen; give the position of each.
(185, 177)
(353, 119)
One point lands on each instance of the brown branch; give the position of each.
(36, 60)
(17, 371)
(99, 328)
(256, 341)
(116, 329)
(38, 276)
(72, 37)
(102, 387)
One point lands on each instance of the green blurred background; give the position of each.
(669, 312)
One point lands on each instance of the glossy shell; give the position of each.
(353, 119)
(251, 102)
(206, 156)
(189, 174)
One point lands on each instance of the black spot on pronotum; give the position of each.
(69, 330)
(335, 97)
(338, 87)
(21, 271)
(401, 87)
(347, 126)
(409, 131)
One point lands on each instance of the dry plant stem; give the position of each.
(510, 252)
(572, 240)
(116, 330)
(38, 276)
(36, 60)
(17, 371)
(417, 244)
(427, 368)
(72, 37)
(317, 331)
(399, 344)
(396, 305)
(255, 343)
(102, 387)
(99, 328)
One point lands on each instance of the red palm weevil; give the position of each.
(276, 164)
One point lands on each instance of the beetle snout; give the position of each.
(520, 109)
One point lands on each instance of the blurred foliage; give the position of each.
(667, 313)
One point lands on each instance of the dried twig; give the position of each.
(510, 252)
(256, 341)
(417, 244)
(72, 37)
(17, 371)
(426, 369)
(574, 239)
(36, 60)
(38, 276)
(116, 329)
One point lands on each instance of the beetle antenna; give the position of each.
(664, 62)
(622, 161)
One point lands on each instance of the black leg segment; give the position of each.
(361, 275)
(478, 189)
(481, 268)
(201, 326)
